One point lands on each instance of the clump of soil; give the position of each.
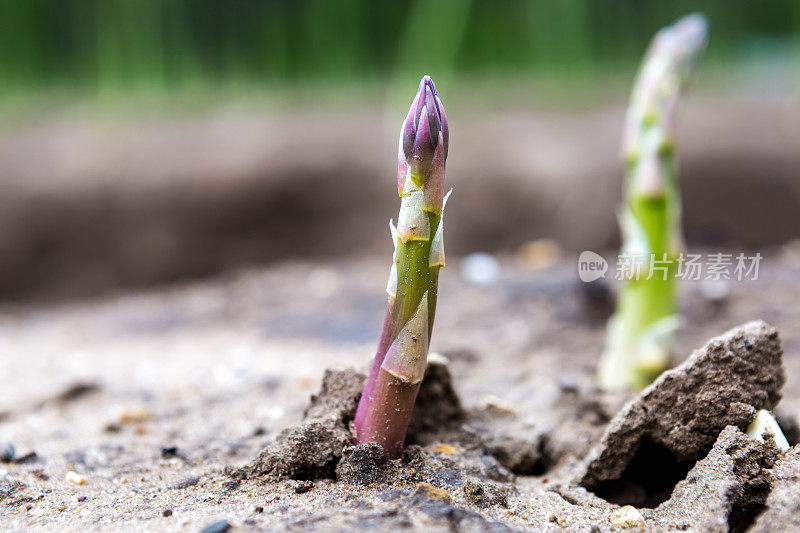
(782, 508)
(312, 449)
(362, 464)
(724, 489)
(676, 419)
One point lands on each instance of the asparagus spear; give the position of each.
(399, 365)
(764, 423)
(641, 331)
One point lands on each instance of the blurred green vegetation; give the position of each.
(125, 48)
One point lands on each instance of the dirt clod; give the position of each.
(338, 396)
(680, 415)
(782, 511)
(724, 489)
(312, 449)
(361, 464)
(308, 451)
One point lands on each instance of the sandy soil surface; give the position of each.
(153, 398)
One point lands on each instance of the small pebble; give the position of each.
(437, 358)
(301, 486)
(480, 269)
(433, 493)
(500, 406)
(169, 451)
(568, 383)
(217, 527)
(166, 512)
(715, 290)
(627, 516)
(29, 457)
(7, 452)
(447, 449)
(132, 414)
(76, 478)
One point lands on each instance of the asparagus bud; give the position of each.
(400, 360)
(641, 331)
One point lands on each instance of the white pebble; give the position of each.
(480, 269)
(76, 478)
(627, 516)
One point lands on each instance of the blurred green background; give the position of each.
(199, 49)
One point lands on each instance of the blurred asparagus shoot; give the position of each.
(391, 389)
(641, 332)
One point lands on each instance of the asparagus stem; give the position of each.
(385, 407)
(641, 331)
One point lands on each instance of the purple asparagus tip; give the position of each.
(424, 133)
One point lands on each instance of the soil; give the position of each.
(226, 404)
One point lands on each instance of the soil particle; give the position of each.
(300, 486)
(429, 492)
(446, 479)
(169, 451)
(782, 511)
(7, 452)
(362, 464)
(723, 490)
(217, 527)
(186, 483)
(75, 392)
(30, 457)
(485, 494)
(680, 415)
